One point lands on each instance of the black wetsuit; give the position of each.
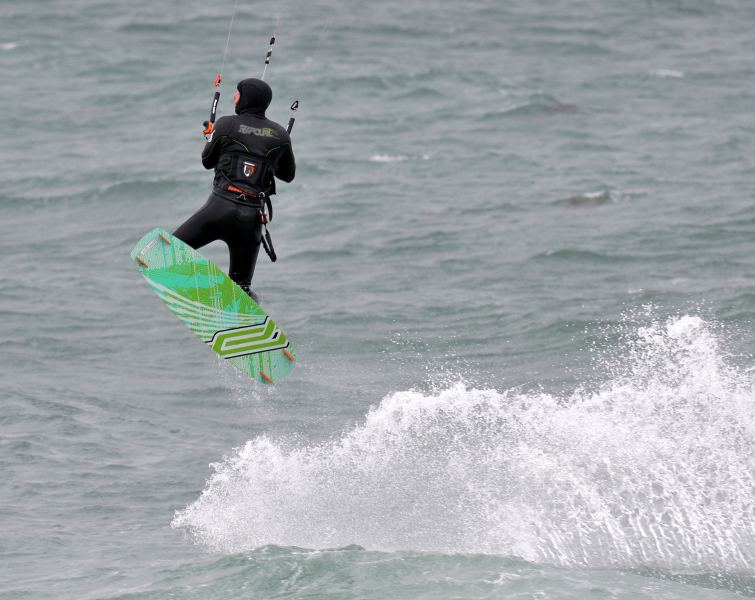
(247, 151)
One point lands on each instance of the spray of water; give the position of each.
(654, 469)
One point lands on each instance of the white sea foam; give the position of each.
(668, 73)
(8, 46)
(388, 158)
(653, 469)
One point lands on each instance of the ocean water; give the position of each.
(517, 261)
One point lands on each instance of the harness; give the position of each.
(266, 215)
(249, 176)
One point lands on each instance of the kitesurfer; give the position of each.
(248, 151)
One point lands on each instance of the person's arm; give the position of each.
(211, 151)
(286, 169)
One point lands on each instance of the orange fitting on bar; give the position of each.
(142, 262)
(165, 238)
(288, 355)
(266, 377)
(218, 79)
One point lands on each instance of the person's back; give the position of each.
(247, 151)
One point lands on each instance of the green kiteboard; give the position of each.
(214, 307)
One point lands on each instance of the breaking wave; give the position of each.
(653, 469)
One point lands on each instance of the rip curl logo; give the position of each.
(251, 339)
(259, 131)
(249, 169)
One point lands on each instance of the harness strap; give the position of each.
(267, 240)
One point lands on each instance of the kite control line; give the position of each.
(267, 57)
(295, 103)
(209, 125)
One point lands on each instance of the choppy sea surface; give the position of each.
(517, 261)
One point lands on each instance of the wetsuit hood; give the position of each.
(255, 97)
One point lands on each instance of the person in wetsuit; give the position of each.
(247, 152)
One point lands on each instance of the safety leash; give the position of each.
(265, 218)
(267, 244)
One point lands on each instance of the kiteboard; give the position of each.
(214, 307)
